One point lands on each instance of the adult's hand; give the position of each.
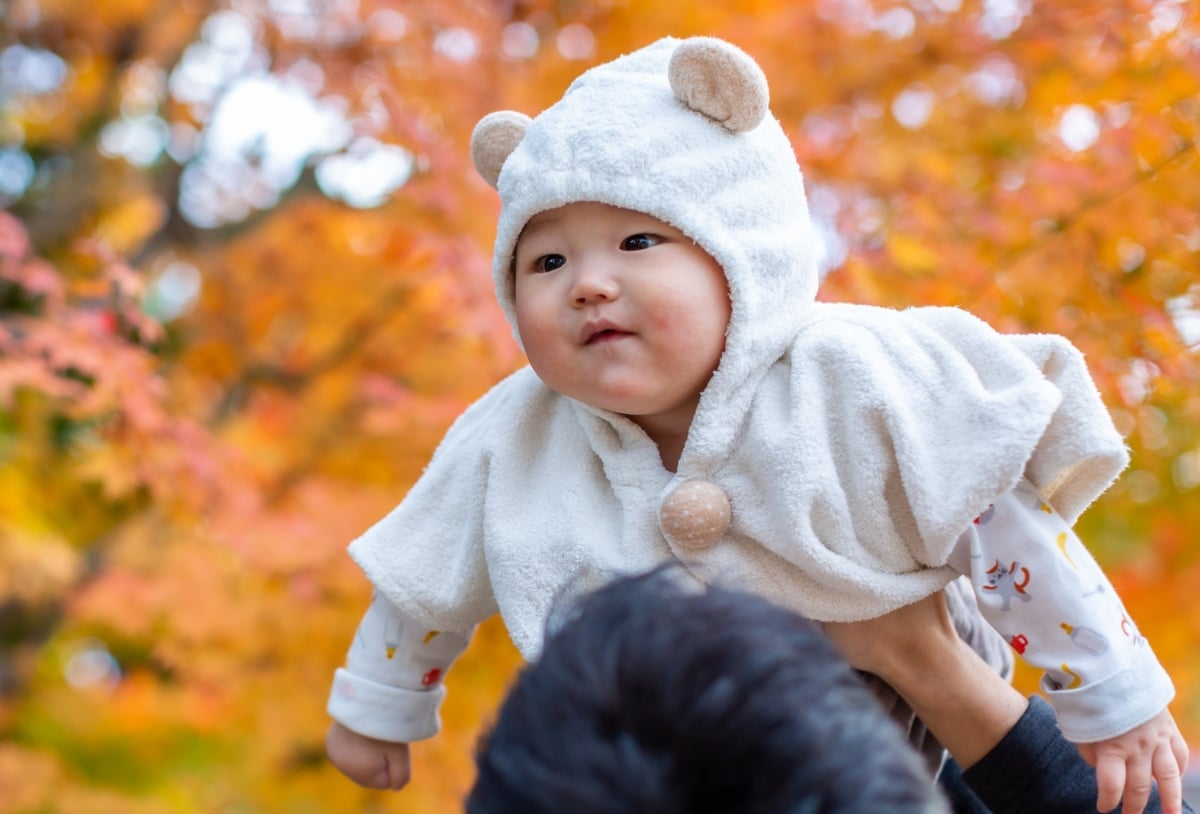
(916, 650)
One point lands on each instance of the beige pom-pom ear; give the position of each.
(494, 139)
(721, 81)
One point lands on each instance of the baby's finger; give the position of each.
(1169, 775)
(399, 767)
(1180, 748)
(1139, 782)
(1110, 781)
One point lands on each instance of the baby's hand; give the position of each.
(1128, 764)
(372, 763)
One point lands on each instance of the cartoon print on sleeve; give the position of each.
(393, 631)
(1003, 580)
(1067, 679)
(1062, 540)
(432, 676)
(1086, 638)
(394, 650)
(1130, 631)
(1041, 588)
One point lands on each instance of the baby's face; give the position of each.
(621, 311)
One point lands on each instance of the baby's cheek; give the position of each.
(538, 338)
(533, 323)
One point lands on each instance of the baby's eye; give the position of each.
(549, 262)
(636, 243)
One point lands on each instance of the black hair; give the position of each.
(656, 699)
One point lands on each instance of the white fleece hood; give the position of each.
(679, 130)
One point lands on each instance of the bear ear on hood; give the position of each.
(494, 139)
(721, 81)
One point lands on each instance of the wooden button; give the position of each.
(695, 514)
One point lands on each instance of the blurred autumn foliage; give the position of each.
(244, 288)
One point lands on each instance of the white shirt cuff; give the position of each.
(382, 712)
(1114, 705)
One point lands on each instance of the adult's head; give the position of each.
(653, 697)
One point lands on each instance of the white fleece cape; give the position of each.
(855, 444)
(852, 467)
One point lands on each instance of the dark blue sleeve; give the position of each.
(1034, 768)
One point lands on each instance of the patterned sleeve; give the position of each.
(1042, 590)
(391, 687)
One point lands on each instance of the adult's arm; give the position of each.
(915, 649)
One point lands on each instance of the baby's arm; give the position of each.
(387, 695)
(1042, 590)
(1015, 758)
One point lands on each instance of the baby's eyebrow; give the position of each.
(535, 226)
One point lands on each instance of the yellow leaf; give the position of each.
(125, 226)
(913, 254)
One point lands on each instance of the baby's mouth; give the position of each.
(605, 335)
(600, 332)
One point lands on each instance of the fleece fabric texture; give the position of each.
(864, 452)
(854, 443)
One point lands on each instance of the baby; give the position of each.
(688, 400)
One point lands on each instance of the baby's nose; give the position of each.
(593, 283)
